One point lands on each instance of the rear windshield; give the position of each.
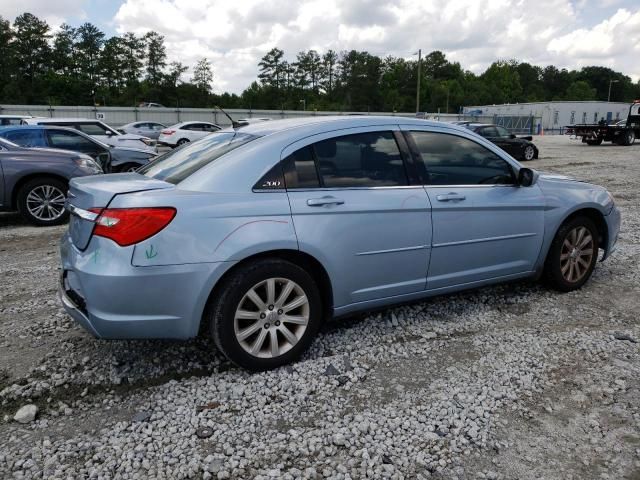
(175, 166)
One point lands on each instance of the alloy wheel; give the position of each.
(46, 203)
(528, 152)
(576, 254)
(271, 318)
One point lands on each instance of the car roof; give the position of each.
(187, 122)
(323, 123)
(65, 119)
(16, 116)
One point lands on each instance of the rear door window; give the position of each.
(370, 159)
(26, 138)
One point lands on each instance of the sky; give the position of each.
(234, 35)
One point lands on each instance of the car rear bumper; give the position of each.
(111, 298)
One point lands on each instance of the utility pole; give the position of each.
(447, 111)
(610, 82)
(418, 88)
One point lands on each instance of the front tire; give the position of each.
(597, 141)
(41, 201)
(265, 314)
(629, 138)
(573, 255)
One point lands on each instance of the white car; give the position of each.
(13, 120)
(185, 132)
(144, 128)
(100, 131)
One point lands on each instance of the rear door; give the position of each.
(484, 226)
(355, 208)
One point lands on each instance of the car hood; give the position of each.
(129, 136)
(556, 177)
(125, 150)
(53, 152)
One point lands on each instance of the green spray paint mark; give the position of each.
(95, 255)
(150, 253)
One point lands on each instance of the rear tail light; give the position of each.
(167, 132)
(127, 226)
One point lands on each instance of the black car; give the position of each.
(111, 159)
(520, 148)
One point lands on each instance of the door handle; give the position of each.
(320, 202)
(451, 196)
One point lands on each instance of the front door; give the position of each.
(484, 226)
(354, 209)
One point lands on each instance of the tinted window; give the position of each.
(192, 126)
(453, 160)
(70, 141)
(301, 169)
(26, 138)
(92, 129)
(488, 132)
(361, 160)
(10, 121)
(503, 132)
(175, 166)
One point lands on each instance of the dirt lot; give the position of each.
(508, 382)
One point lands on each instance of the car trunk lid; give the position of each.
(89, 193)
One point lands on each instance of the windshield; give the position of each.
(175, 166)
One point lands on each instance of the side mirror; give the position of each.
(527, 177)
(512, 136)
(109, 133)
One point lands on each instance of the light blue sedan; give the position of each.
(256, 236)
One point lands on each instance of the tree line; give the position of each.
(80, 65)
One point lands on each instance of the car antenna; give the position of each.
(234, 124)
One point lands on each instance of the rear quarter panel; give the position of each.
(213, 227)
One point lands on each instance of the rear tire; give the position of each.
(573, 255)
(181, 142)
(597, 141)
(254, 326)
(529, 153)
(41, 201)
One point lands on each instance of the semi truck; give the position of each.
(623, 132)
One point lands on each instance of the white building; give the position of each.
(554, 116)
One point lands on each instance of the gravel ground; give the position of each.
(512, 381)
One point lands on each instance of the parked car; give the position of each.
(147, 129)
(110, 158)
(13, 120)
(257, 235)
(246, 121)
(185, 132)
(150, 105)
(521, 148)
(100, 131)
(34, 181)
